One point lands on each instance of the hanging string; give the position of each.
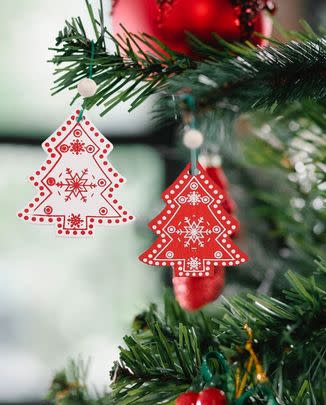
(191, 104)
(90, 76)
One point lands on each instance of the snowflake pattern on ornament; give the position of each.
(75, 221)
(194, 198)
(77, 147)
(193, 263)
(194, 230)
(76, 184)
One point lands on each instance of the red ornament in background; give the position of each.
(217, 174)
(187, 398)
(169, 20)
(193, 293)
(76, 184)
(213, 166)
(194, 230)
(210, 396)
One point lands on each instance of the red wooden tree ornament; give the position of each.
(194, 230)
(76, 183)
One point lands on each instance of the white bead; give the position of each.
(193, 139)
(87, 87)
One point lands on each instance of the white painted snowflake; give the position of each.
(193, 264)
(194, 232)
(194, 198)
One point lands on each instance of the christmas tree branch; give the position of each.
(127, 73)
(162, 357)
(277, 166)
(292, 147)
(271, 76)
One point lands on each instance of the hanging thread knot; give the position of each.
(190, 102)
(90, 76)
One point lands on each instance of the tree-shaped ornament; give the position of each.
(194, 230)
(76, 184)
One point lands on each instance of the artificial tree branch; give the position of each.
(142, 65)
(162, 358)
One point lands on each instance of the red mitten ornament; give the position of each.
(192, 293)
(216, 173)
(194, 229)
(210, 396)
(76, 184)
(170, 20)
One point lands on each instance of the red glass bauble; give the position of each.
(188, 398)
(193, 293)
(211, 396)
(169, 20)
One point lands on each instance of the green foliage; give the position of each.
(126, 73)
(269, 77)
(142, 65)
(69, 386)
(284, 205)
(162, 358)
(275, 159)
(275, 163)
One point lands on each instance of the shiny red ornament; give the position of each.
(194, 230)
(188, 398)
(210, 396)
(170, 20)
(194, 293)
